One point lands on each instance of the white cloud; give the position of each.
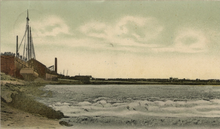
(188, 40)
(50, 26)
(94, 29)
(191, 40)
(47, 26)
(139, 28)
(127, 31)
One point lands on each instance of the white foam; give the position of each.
(115, 106)
(84, 103)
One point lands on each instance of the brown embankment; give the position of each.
(24, 103)
(12, 95)
(14, 118)
(17, 100)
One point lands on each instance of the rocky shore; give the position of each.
(20, 110)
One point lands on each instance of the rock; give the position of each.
(7, 91)
(6, 96)
(22, 102)
(64, 123)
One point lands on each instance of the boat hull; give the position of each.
(29, 74)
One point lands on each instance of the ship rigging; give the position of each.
(28, 45)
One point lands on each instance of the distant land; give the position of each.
(142, 81)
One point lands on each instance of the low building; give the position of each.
(12, 65)
(52, 77)
(84, 79)
(42, 70)
(19, 68)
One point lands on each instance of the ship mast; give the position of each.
(28, 38)
(28, 51)
(32, 46)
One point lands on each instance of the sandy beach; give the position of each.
(13, 118)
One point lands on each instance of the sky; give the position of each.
(119, 39)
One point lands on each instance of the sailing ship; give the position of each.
(28, 73)
(25, 66)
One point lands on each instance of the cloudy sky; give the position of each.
(120, 39)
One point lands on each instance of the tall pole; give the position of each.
(28, 41)
(33, 47)
(55, 64)
(30, 45)
(16, 47)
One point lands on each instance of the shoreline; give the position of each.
(133, 82)
(17, 96)
(19, 109)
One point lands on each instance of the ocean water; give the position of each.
(133, 101)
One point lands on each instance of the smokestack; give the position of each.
(55, 64)
(16, 54)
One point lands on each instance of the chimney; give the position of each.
(16, 54)
(55, 64)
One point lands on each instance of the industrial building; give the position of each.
(26, 66)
